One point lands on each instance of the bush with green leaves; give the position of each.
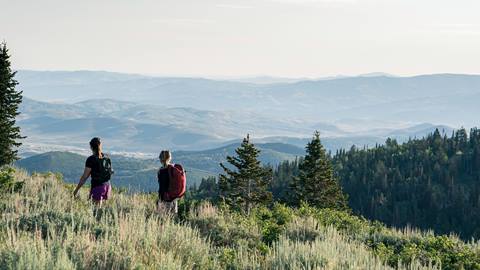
(272, 222)
(231, 230)
(8, 182)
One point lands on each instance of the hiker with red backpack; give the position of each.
(171, 182)
(99, 167)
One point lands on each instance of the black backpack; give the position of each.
(105, 169)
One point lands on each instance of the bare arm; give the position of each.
(83, 180)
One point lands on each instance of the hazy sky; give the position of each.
(291, 38)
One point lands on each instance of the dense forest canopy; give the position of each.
(430, 183)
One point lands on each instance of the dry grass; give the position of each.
(43, 227)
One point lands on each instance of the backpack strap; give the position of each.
(170, 167)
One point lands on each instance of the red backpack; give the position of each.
(177, 184)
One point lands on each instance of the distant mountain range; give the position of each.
(449, 99)
(138, 115)
(138, 128)
(272, 79)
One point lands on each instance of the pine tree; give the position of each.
(316, 183)
(10, 100)
(247, 185)
(207, 190)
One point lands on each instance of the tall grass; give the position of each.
(43, 227)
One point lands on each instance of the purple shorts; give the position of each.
(101, 192)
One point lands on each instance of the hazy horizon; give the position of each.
(249, 76)
(231, 38)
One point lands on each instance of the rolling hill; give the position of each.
(133, 174)
(133, 127)
(140, 174)
(141, 127)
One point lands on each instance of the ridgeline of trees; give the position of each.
(429, 183)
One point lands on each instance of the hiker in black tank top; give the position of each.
(99, 167)
(97, 164)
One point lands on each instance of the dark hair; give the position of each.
(95, 144)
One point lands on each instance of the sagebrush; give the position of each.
(43, 227)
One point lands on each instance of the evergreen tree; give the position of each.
(10, 100)
(316, 183)
(282, 180)
(207, 190)
(247, 184)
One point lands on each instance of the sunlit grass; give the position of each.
(44, 227)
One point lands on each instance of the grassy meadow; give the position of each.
(43, 227)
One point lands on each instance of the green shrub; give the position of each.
(226, 230)
(226, 257)
(272, 221)
(330, 250)
(8, 182)
(303, 230)
(448, 252)
(51, 223)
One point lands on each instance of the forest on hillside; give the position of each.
(429, 183)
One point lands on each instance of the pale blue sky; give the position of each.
(293, 38)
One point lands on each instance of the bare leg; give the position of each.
(170, 208)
